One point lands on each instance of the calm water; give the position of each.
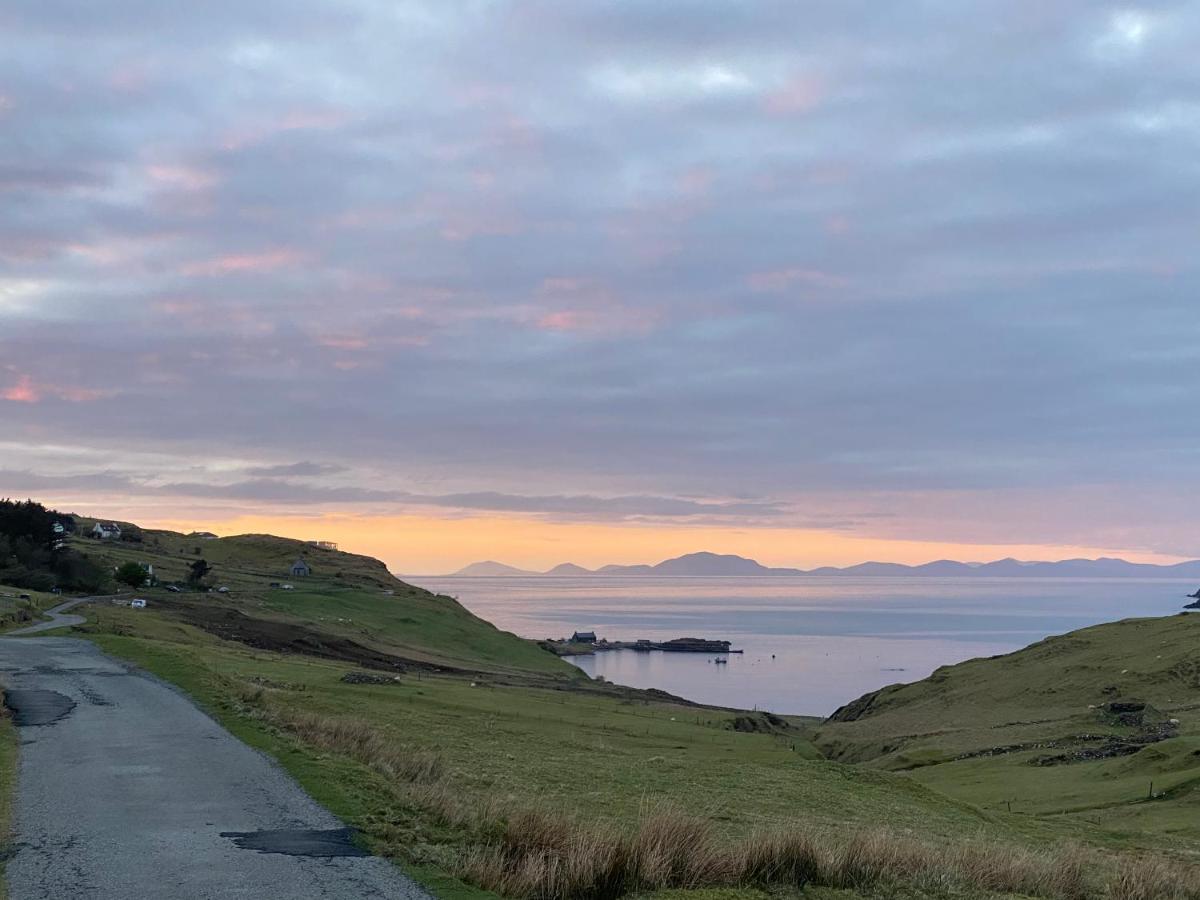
(811, 644)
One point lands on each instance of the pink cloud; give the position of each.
(837, 224)
(27, 390)
(800, 95)
(346, 342)
(598, 321)
(179, 176)
(562, 285)
(312, 118)
(130, 78)
(24, 391)
(462, 226)
(295, 120)
(783, 279)
(696, 182)
(236, 263)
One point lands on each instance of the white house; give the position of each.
(106, 531)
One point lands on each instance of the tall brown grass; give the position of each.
(542, 855)
(536, 852)
(354, 738)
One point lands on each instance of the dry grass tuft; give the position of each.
(1153, 879)
(539, 853)
(362, 742)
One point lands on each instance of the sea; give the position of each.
(810, 644)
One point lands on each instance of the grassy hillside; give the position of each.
(351, 596)
(435, 768)
(1100, 725)
(483, 762)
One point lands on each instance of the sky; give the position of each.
(607, 281)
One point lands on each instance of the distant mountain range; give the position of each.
(717, 564)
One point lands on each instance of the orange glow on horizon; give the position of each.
(431, 545)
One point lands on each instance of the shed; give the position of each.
(583, 637)
(300, 569)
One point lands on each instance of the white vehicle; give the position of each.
(285, 587)
(137, 603)
(222, 590)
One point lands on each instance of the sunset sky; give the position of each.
(608, 281)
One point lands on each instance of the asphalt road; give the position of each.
(58, 618)
(127, 790)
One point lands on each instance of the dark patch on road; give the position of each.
(299, 841)
(94, 697)
(32, 707)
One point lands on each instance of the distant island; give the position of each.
(726, 565)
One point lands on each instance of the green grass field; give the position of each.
(592, 756)
(348, 595)
(482, 726)
(1043, 701)
(15, 611)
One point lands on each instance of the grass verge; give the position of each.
(8, 787)
(485, 790)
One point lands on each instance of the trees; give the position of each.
(131, 574)
(33, 556)
(198, 571)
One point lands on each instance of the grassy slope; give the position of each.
(344, 596)
(1052, 691)
(15, 611)
(550, 738)
(592, 753)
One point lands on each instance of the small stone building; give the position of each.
(300, 569)
(106, 531)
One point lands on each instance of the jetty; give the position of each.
(677, 645)
(582, 642)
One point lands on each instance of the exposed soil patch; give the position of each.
(1115, 746)
(760, 723)
(287, 637)
(299, 842)
(369, 678)
(291, 637)
(856, 709)
(33, 707)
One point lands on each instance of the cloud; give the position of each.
(267, 261)
(297, 469)
(602, 508)
(276, 485)
(26, 390)
(560, 259)
(782, 279)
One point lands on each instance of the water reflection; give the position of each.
(833, 639)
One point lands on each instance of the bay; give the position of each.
(810, 643)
